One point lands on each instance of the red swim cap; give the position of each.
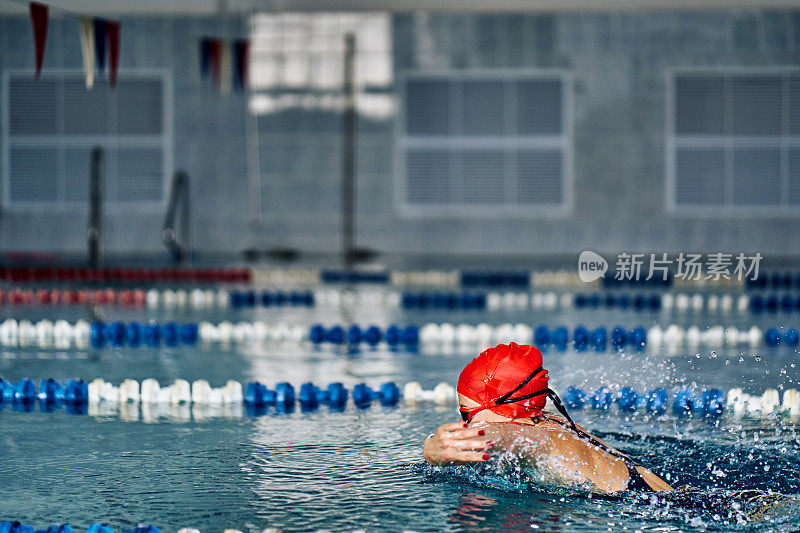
(508, 380)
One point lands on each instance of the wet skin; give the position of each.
(546, 443)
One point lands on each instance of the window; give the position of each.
(485, 143)
(297, 61)
(733, 142)
(50, 127)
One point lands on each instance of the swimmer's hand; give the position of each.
(456, 444)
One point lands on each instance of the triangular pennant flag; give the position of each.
(242, 50)
(214, 56)
(113, 52)
(87, 49)
(39, 18)
(225, 67)
(205, 56)
(100, 28)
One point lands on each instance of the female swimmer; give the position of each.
(502, 394)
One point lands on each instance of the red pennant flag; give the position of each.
(39, 19)
(215, 60)
(112, 28)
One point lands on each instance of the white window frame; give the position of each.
(164, 141)
(565, 142)
(727, 143)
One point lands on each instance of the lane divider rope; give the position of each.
(77, 394)
(204, 299)
(82, 334)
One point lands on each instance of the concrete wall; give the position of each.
(209, 136)
(618, 60)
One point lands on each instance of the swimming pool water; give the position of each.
(362, 468)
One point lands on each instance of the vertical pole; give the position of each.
(186, 227)
(177, 230)
(349, 152)
(95, 207)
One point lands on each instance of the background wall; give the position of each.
(618, 60)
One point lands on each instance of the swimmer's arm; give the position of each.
(455, 444)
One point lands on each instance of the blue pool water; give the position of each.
(362, 468)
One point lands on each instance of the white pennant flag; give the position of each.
(87, 47)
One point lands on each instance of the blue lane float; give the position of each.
(98, 336)
(580, 338)
(310, 396)
(774, 280)
(51, 391)
(135, 333)
(388, 395)
(619, 337)
(640, 302)
(560, 338)
(118, 334)
(627, 400)
(51, 394)
(257, 394)
(152, 335)
(773, 303)
(171, 333)
(684, 402)
(250, 299)
(574, 398)
(772, 337)
(354, 334)
(583, 339)
(24, 391)
(451, 301)
(599, 339)
(656, 401)
(354, 276)
(602, 399)
(518, 279)
(713, 402)
(372, 335)
(638, 337)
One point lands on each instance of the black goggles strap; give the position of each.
(561, 409)
(506, 398)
